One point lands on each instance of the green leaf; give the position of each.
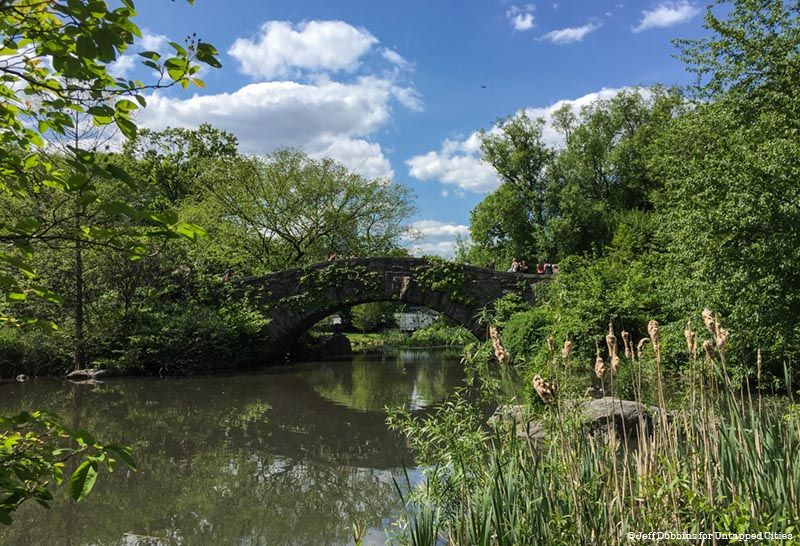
(121, 174)
(176, 68)
(5, 518)
(125, 105)
(124, 453)
(178, 48)
(82, 480)
(191, 231)
(16, 296)
(127, 127)
(152, 55)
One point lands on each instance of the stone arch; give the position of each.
(296, 299)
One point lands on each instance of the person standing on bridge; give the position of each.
(514, 266)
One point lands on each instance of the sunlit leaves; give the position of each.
(57, 55)
(34, 448)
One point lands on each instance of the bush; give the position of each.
(33, 352)
(183, 338)
(525, 333)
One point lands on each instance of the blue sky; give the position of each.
(396, 88)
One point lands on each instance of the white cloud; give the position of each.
(324, 118)
(436, 230)
(445, 249)
(281, 49)
(153, 42)
(521, 17)
(122, 66)
(435, 237)
(396, 59)
(458, 162)
(570, 35)
(667, 14)
(358, 155)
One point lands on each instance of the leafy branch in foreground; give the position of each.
(55, 60)
(34, 451)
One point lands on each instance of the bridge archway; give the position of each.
(296, 299)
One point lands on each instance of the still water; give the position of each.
(293, 455)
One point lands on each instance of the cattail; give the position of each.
(626, 343)
(640, 347)
(500, 352)
(614, 364)
(599, 365)
(611, 340)
(546, 391)
(708, 320)
(566, 351)
(758, 366)
(708, 347)
(652, 330)
(689, 335)
(721, 339)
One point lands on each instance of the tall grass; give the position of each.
(724, 461)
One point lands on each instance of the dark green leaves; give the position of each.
(83, 479)
(34, 448)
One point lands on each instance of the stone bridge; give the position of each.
(296, 299)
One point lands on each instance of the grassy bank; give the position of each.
(436, 335)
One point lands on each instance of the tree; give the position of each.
(500, 226)
(602, 170)
(171, 160)
(731, 202)
(55, 59)
(521, 159)
(290, 209)
(556, 202)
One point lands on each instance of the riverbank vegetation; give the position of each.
(439, 334)
(172, 309)
(664, 201)
(659, 204)
(706, 457)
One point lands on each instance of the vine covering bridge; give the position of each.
(296, 299)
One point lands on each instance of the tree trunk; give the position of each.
(79, 361)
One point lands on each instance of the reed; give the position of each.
(725, 461)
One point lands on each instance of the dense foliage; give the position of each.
(657, 204)
(661, 202)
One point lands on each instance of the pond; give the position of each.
(290, 455)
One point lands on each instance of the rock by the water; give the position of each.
(336, 345)
(21, 377)
(597, 415)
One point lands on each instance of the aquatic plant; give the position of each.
(719, 461)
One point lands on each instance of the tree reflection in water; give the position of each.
(289, 456)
